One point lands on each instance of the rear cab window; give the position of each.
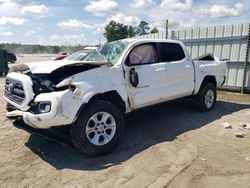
(170, 52)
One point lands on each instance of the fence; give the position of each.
(225, 42)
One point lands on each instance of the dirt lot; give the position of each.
(168, 145)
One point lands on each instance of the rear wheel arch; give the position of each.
(205, 99)
(209, 79)
(207, 86)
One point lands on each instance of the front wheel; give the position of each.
(98, 129)
(205, 99)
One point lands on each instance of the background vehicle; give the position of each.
(78, 56)
(61, 56)
(11, 57)
(3, 62)
(92, 95)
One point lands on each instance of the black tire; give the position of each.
(78, 129)
(199, 99)
(12, 61)
(10, 108)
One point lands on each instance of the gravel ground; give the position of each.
(168, 145)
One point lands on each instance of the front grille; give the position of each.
(14, 91)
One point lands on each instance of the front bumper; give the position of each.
(64, 107)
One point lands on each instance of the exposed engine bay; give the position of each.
(44, 83)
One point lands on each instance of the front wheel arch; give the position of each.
(112, 97)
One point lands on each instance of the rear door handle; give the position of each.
(187, 66)
(160, 69)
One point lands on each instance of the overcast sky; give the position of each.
(73, 22)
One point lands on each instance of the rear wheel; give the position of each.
(98, 129)
(205, 99)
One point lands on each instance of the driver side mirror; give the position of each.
(133, 76)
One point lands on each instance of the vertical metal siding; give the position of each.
(219, 31)
(225, 42)
(248, 77)
(202, 49)
(226, 50)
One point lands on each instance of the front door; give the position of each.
(146, 76)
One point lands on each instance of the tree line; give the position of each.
(39, 49)
(115, 31)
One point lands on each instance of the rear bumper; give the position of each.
(64, 107)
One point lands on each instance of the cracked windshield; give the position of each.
(109, 52)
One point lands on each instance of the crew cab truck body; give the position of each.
(117, 78)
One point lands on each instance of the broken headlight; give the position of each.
(66, 84)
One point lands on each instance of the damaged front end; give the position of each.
(44, 100)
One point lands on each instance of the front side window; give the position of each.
(171, 52)
(143, 54)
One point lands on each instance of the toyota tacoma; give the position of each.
(92, 96)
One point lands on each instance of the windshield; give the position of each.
(77, 56)
(108, 52)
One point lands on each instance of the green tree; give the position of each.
(143, 27)
(115, 31)
(154, 30)
(56, 49)
(132, 31)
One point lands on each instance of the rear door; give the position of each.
(179, 70)
(143, 64)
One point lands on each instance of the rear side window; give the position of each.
(171, 52)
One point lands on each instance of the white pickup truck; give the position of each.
(92, 96)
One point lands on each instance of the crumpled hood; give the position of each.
(46, 67)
